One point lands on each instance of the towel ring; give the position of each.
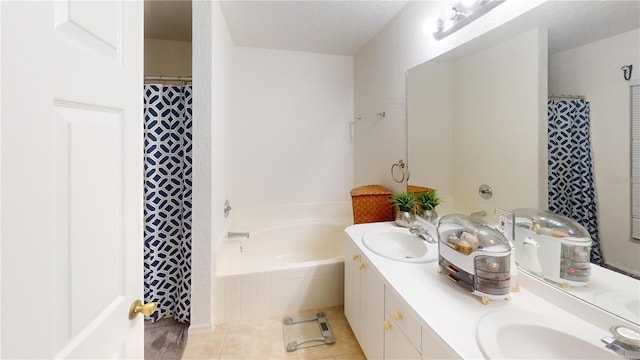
(402, 167)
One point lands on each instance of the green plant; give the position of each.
(404, 201)
(429, 200)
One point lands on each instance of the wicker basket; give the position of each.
(417, 190)
(371, 203)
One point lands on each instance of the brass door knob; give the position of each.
(361, 266)
(386, 325)
(138, 308)
(397, 315)
(355, 257)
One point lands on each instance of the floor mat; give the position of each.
(164, 339)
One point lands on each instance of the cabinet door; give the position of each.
(404, 316)
(396, 344)
(352, 286)
(433, 347)
(371, 311)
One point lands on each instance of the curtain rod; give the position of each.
(169, 78)
(562, 96)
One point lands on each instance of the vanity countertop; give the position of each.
(454, 313)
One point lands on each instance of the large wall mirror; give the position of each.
(478, 115)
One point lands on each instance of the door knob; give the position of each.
(138, 308)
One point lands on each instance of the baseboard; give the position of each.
(203, 328)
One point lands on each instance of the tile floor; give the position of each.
(264, 339)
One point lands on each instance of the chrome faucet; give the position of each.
(232, 235)
(624, 342)
(422, 232)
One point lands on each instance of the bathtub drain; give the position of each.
(325, 337)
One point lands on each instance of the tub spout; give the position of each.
(479, 213)
(232, 235)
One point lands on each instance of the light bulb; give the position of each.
(451, 13)
(448, 13)
(433, 25)
(439, 25)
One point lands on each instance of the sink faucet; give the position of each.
(420, 231)
(625, 342)
(232, 235)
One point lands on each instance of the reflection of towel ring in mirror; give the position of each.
(400, 165)
(626, 71)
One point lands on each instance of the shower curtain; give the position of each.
(572, 190)
(167, 200)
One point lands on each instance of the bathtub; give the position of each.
(299, 243)
(292, 261)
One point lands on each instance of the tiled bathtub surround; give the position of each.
(291, 262)
(279, 293)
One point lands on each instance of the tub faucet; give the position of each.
(232, 235)
(479, 213)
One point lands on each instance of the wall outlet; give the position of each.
(503, 219)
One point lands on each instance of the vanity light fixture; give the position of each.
(454, 17)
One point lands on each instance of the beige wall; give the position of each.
(212, 113)
(379, 80)
(291, 116)
(497, 110)
(593, 70)
(167, 57)
(476, 120)
(430, 125)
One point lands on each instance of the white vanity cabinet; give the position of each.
(396, 344)
(384, 324)
(433, 347)
(405, 310)
(403, 332)
(364, 301)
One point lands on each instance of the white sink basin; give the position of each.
(399, 244)
(623, 303)
(512, 334)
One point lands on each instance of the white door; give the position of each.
(71, 185)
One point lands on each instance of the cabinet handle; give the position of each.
(452, 278)
(453, 269)
(361, 266)
(397, 315)
(355, 257)
(386, 325)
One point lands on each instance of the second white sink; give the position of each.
(623, 303)
(527, 335)
(399, 244)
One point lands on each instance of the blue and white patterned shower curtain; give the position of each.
(167, 200)
(572, 190)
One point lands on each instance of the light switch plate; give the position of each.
(502, 219)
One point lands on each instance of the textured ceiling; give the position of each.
(331, 27)
(343, 27)
(575, 23)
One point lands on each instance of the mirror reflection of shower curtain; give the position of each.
(167, 200)
(572, 189)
